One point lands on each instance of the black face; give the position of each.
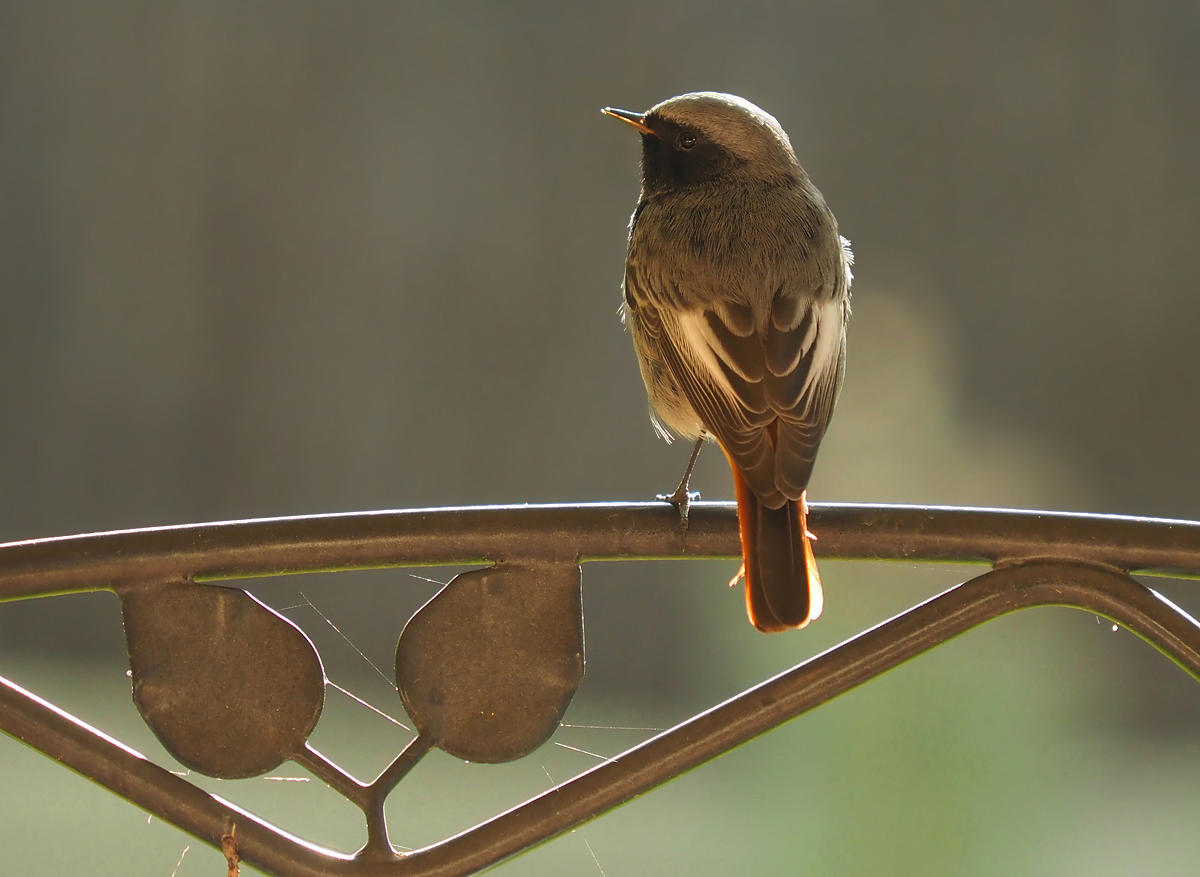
(675, 156)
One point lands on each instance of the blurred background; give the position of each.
(276, 258)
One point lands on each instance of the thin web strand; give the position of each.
(584, 751)
(180, 862)
(373, 709)
(382, 675)
(594, 859)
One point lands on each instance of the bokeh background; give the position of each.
(276, 258)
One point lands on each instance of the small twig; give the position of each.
(230, 848)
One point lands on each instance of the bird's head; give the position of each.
(704, 136)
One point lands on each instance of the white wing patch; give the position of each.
(699, 343)
(827, 320)
(702, 348)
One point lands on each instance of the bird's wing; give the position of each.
(806, 359)
(766, 395)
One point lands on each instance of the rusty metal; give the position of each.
(1041, 559)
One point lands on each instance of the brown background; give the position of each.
(283, 258)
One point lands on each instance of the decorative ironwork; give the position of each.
(487, 668)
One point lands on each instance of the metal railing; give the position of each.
(487, 668)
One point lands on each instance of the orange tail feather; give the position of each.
(783, 588)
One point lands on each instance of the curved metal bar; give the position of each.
(127, 773)
(1094, 589)
(627, 531)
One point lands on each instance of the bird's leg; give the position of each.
(682, 498)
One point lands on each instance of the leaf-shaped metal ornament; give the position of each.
(231, 688)
(487, 668)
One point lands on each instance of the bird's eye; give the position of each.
(686, 140)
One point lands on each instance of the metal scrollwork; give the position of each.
(487, 668)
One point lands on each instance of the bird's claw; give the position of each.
(682, 499)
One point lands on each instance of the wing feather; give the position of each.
(765, 390)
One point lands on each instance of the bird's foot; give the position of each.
(682, 499)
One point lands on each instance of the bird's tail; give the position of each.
(783, 589)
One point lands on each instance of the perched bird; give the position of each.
(737, 294)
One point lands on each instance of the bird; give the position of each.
(737, 296)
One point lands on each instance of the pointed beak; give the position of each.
(637, 120)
